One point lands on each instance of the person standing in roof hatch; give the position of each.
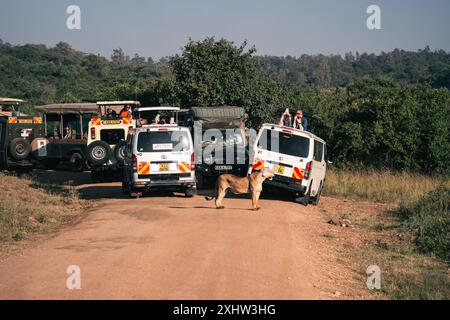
(286, 119)
(300, 122)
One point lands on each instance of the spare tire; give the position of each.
(98, 153)
(119, 151)
(19, 149)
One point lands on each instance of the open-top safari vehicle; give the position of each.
(66, 128)
(20, 137)
(107, 134)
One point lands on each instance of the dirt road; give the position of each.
(169, 247)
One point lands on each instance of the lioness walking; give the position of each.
(251, 183)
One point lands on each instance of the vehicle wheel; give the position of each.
(190, 192)
(78, 163)
(316, 199)
(98, 153)
(119, 152)
(125, 187)
(19, 149)
(201, 181)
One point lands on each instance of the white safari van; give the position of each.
(159, 156)
(298, 159)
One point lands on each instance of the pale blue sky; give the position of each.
(155, 28)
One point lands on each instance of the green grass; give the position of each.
(428, 219)
(28, 207)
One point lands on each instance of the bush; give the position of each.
(429, 219)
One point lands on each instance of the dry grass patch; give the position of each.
(28, 207)
(380, 186)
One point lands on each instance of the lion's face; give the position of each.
(267, 173)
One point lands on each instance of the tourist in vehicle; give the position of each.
(300, 122)
(286, 119)
(109, 113)
(125, 112)
(67, 133)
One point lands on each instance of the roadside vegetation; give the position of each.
(380, 185)
(28, 207)
(409, 240)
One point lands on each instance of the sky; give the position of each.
(157, 28)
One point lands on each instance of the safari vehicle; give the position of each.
(107, 133)
(156, 115)
(219, 133)
(20, 137)
(159, 156)
(298, 159)
(66, 134)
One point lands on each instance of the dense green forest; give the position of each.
(383, 111)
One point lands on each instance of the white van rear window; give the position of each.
(162, 141)
(284, 143)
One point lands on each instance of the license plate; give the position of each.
(223, 168)
(279, 169)
(163, 167)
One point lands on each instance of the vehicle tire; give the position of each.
(190, 192)
(98, 153)
(19, 149)
(125, 187)
(201, 181)
(316, 199)
(77, 162)
(119, 152)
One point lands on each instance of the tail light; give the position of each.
(134, 162)
(307, 171)
(192, 162)
(92, 133)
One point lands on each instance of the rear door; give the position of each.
(163, 151)
(318, 165)
(282, 151)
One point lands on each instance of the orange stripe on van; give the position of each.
(298, 173)
(183, 167)
(258, 165)
(144, 168)
(96, 121)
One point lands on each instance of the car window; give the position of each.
(284, 143)
(112, 136)
(161, 141)
(318, 150)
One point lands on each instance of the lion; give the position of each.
(251, 183)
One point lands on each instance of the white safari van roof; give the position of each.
(158, 109)
(112, 103)
(10, 101)
(293, 130)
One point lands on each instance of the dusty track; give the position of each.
(169, 247)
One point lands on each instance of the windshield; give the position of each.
(226, 137)
(160, 141)
(284, 143)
